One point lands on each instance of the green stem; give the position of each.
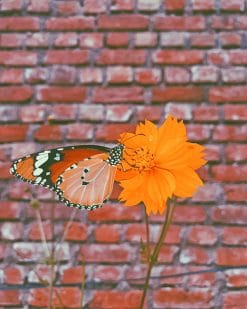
(147, 236)
(155, 254)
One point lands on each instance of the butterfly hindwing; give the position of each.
(87, 184)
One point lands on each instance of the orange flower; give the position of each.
(157, 164)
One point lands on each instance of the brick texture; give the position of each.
(75, 72)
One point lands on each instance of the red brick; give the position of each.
(63, 75)
(66, 57)
(236, 193)
(203, 279)
(203, 5)
(230, 39)
(61, 94)
(175, 75)
(122, 5)
(13, 133)
(178, 94)
(119, 113)
(15, 94)
(230, 133)
(10, 298)
(238, 57)
(107, 273)
(18, 58)
(69, 39)
(169, 57)
(110, 132)
(181, 298)
(69, 296)
(205, 74)
(11, 5)
(37, 40)
(70, 23)
(202, 40)
(231, 214)
(229, 173)
(32, 113)
(195, 255)
(63, 112)
(181, 111)
(122, 56)
(101, 253)
(117, 39)
(231, 299)
(235, 112)
(91, 112)
(35, 234)
(234, 75)
(72, 275)
(118, 94)
(229, 257)
(153, 113)
(11, 231)
(115, 213)
(91, 40)
(68, 8)
(147, 76)
(19, 24)
(79, 131)
(172, 39)
(47, 133)
(148, 5)
(13, 275)
(11, 40)
(202, 235)
(91, 76)
(197, 214)
(94, 6)
(234, 236)
(77, 231)
(119, 75)
(236, 278)
(145, 39)
(11, 76)
(206, 113)
(36, 75)
(36, 6)
(174, 5)
(179, 23)
(236, 152)
(167, 254)
(123, 22)
(241, 22)
(228, 94)
(217, 57)
(223, 22)
(113, 299)
(232, 5)
(107, 234)
(4, 170)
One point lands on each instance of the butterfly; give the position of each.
(82, 176)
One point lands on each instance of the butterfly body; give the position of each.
(82, 176)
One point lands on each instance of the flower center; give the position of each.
(141, 159)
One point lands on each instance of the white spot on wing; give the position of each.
(37, 172)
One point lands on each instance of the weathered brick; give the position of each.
(10, 298)
(122, 5)
(61, 94)
(122, 56)
(70, 23)
(68, 8)
(118, 113)
(13, 133)
(228, 94)
(181, 111)
(11, 40)
(63, 75)
(202, 235)
(77, 231)
(69, 39)
(203, 5)
(205, 74)
(118, 39)
(19, 23)
(230, 39)
(173, 39)
(32, 113)
(236, 278)
(18, 58)
(91, 112)
(47, 133)
(187, 57)
(123, 22)
(13, 275)
(234, 297)
(148, 76)
(36, 6)
(223, 22)
(232, 5)
(63, 112)
(206, 113)
(179, 23)
(234, 75)
(66, 57)
(79, 131)
(11, 5)
(148, 5)
(107, 233)
(34, 232)
(94, 6)
(91, 40)
(236, 152)
(178, 94)
(11, 76)
(145, 39)
(228, 257)
(118, 94)
(202, 40)
(111, 133)
(235, 112)
(175, 75)
(119, 75)
(231, 214)
(174, 5)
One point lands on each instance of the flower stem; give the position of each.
(155, 254)
(148, 251)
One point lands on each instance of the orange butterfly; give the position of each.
(82, 175)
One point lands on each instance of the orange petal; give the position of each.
(171, 128)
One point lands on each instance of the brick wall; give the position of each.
(76, 71)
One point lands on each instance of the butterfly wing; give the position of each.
(87, 184)
(43, 168)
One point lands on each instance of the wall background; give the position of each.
(83, 71)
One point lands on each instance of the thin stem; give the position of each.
(52, 262)
(155, 254)
(42, 232)
(147, 236)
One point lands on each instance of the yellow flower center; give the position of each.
(141, 159)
